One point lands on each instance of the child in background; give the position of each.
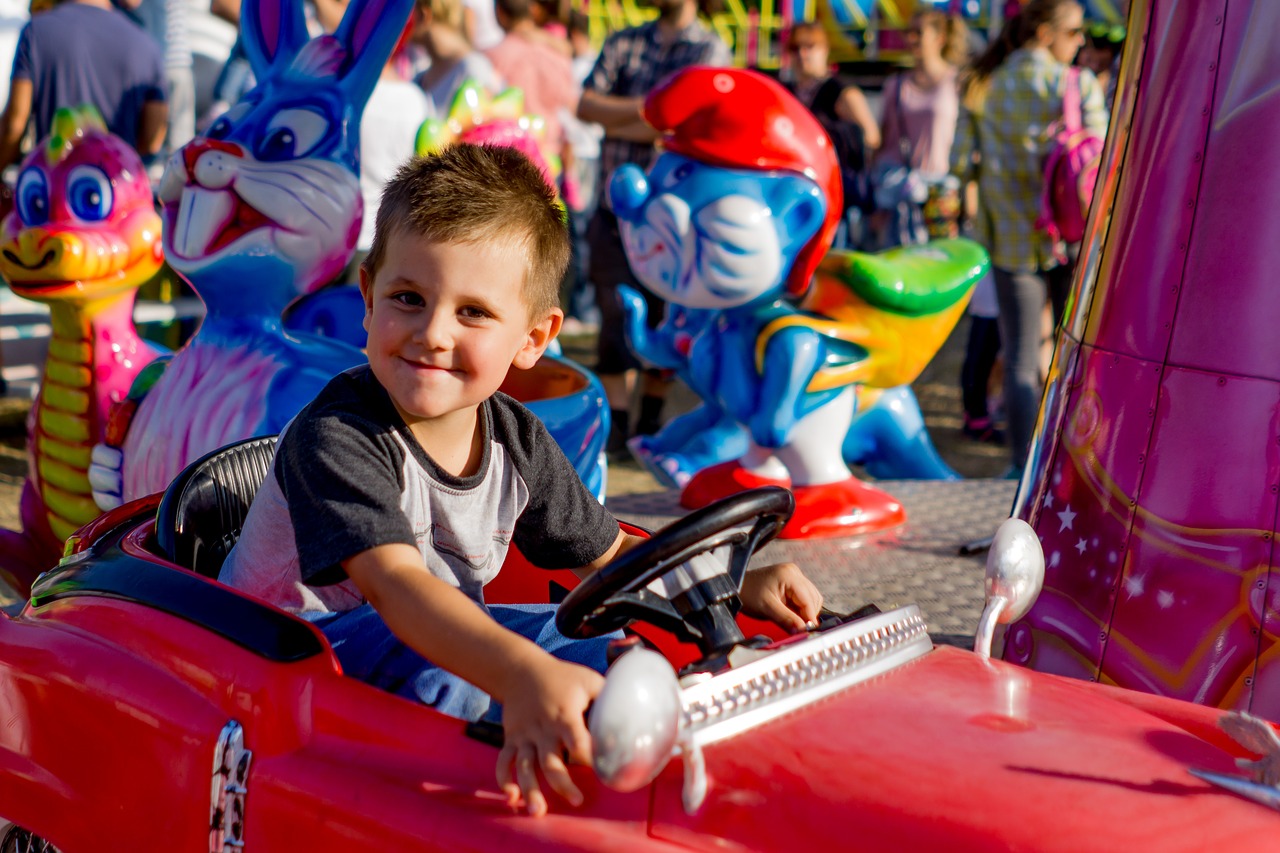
(397, 492)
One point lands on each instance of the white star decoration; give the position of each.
(1081, 545)
(1164, 598)
(1048, 500)
(1067, 516)
(1134, 585)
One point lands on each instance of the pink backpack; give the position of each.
(1070, 170)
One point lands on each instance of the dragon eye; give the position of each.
(292, 133)
(32, 197)
(89, 193)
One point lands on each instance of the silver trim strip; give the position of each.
(800, 674)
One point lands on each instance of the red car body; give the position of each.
(117, 679)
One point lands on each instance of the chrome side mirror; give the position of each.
(1015, 576)
(635, 721)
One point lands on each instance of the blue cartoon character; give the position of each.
(731, 227)
(263, 208)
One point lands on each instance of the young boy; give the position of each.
(396, 493)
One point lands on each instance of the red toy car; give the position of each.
(145, 707)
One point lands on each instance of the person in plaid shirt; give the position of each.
(632, 62)
(1013, 99)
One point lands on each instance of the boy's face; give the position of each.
(447, 320)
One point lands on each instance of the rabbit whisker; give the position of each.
(325, 174)
(292, 194)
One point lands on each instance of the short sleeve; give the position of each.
(342, 481)
(604, 74)
(22, 60)
(563, 526)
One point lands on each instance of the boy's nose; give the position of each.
(435, 332)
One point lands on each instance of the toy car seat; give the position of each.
(204, 508)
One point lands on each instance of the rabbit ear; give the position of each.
(273, 31)
(369, 32)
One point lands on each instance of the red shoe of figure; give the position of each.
(719, 481)
(845, 508)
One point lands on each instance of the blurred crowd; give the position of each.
(951, 144)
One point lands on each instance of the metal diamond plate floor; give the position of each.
(918, 562)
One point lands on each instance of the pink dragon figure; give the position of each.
(1154, 483)
(264, 208)
(83, 235)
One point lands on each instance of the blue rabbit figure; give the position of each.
(262, 209)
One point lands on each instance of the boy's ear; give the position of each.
(540, 337)
(366, 293)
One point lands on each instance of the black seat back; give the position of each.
(204, 508)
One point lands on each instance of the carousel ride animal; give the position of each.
(475, 116)
(263, 208)
(729, 228)
(82, 236)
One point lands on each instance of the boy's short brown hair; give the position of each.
(475, 194)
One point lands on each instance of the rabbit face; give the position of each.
(267, 206)
(265, 182)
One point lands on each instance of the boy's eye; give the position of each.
(407, 297)
(473, 312)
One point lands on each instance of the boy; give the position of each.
(396, 493)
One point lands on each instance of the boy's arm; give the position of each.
(624, 543)
(544, 699)
(621, 116)
(780, 593)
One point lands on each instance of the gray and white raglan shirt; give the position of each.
(348, 476)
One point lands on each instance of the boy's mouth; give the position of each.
(418, 365)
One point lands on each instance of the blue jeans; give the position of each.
(368, 650)
(1022, 297)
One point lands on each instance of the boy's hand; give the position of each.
(783, 595)
(543, 718)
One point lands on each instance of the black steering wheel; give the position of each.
(703, 613)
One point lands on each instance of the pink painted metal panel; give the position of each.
(1178, 271)
(1186, 617)
(1264, 596)
(1083, 512)
(1132, 305)
(1227, 316)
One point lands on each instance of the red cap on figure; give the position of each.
(742, 119)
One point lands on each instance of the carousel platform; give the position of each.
(919, 562)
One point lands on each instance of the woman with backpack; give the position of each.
(918, 123)
(1012, 108)
(843, 110)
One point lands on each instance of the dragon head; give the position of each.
(83, 225)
